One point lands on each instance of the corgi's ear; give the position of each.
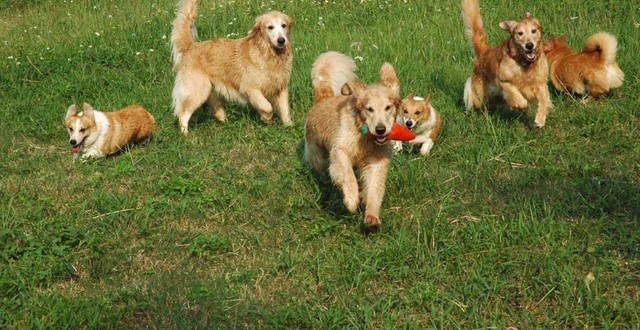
(427, 99)
(388, 78)
(410, 96)
(87, 110)
(562, 39)
(71, 111)
(507, 25)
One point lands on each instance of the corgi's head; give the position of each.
(376, 105)
(414, 110)
(80, 125)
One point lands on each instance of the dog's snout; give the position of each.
(409, 123)
(381, 129)
(72, 142)
(281, 41)
(529, 45)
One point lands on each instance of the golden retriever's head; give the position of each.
(275, 27)
(376, 105)
(414, 110)
(526, 36)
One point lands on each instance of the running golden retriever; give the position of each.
(254, 69)
(335, 140)
(517, 69)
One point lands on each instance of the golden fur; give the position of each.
(333, 138)
(516, 69)
(592, 71)
(96, 134)
(254, 69)
(418, 115)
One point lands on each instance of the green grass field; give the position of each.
(501, 227)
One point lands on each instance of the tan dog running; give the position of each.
(333, 137)
(418, 115)
(516, 69)
(254, 69)
(94, 133)
(593, 71)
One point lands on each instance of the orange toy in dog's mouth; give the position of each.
(398, 132)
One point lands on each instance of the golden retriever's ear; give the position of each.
(72, 110)
(346, 89)
(507, 25)
(388, 77)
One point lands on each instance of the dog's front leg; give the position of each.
(282, 104)
(513, 96)
(544, 104)
(374, 177)
(342, 175)
(261, 104)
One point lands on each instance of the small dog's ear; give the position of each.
(562, 39)
(507, 25)
(346, 89)
(388, 77)
(71, 111)
(410, 96)
(427, 99)
(87, 110)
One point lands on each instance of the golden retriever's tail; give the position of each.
(329, 72)
(473, 26)
(603, 43)
(183, 33)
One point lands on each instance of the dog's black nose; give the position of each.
(529, 46)
(381, 129)
(73, 142)
(281, 41)
(409, 123)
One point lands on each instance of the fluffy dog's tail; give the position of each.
(604, 44)
(329, 72)
(473, 26)
(183, 32)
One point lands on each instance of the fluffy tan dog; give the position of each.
(593, 71)
(333, 137)
(93, 133)
(517, 69)
(254, 69)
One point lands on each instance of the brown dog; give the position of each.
(516, 69)
(254, 69)
(593, 71)
(333, 137)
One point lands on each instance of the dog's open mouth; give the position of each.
(530, 55)
(380, 139)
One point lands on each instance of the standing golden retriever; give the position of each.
(253, 69)
(516, 69)
(334, 140)
(592, 71)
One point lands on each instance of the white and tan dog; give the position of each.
(516, 69)
(333, 138)
(254, 69)
(418, 115)
(94, 133)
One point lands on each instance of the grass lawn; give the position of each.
(501, 227)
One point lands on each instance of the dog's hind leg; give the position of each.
(282, 105)
(341, 172)
(189, 93)
(261, 104)
(374, 178)
(217, 105)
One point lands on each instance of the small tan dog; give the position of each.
(333, 137)
(517, 69)
(418, 115)
(254, 69)
(593, 71)
(97, 134)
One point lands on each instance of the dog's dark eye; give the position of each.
(284, 26)
(387, 108)
(82, 130)
(406, 111)
(370, 109)
(418, 113)
(534, 31)
(70, 129)
(520, 33)
(270, 27)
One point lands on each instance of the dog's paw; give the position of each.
(371, 223)
(351, 202)
(426, 147)
(540, 121)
